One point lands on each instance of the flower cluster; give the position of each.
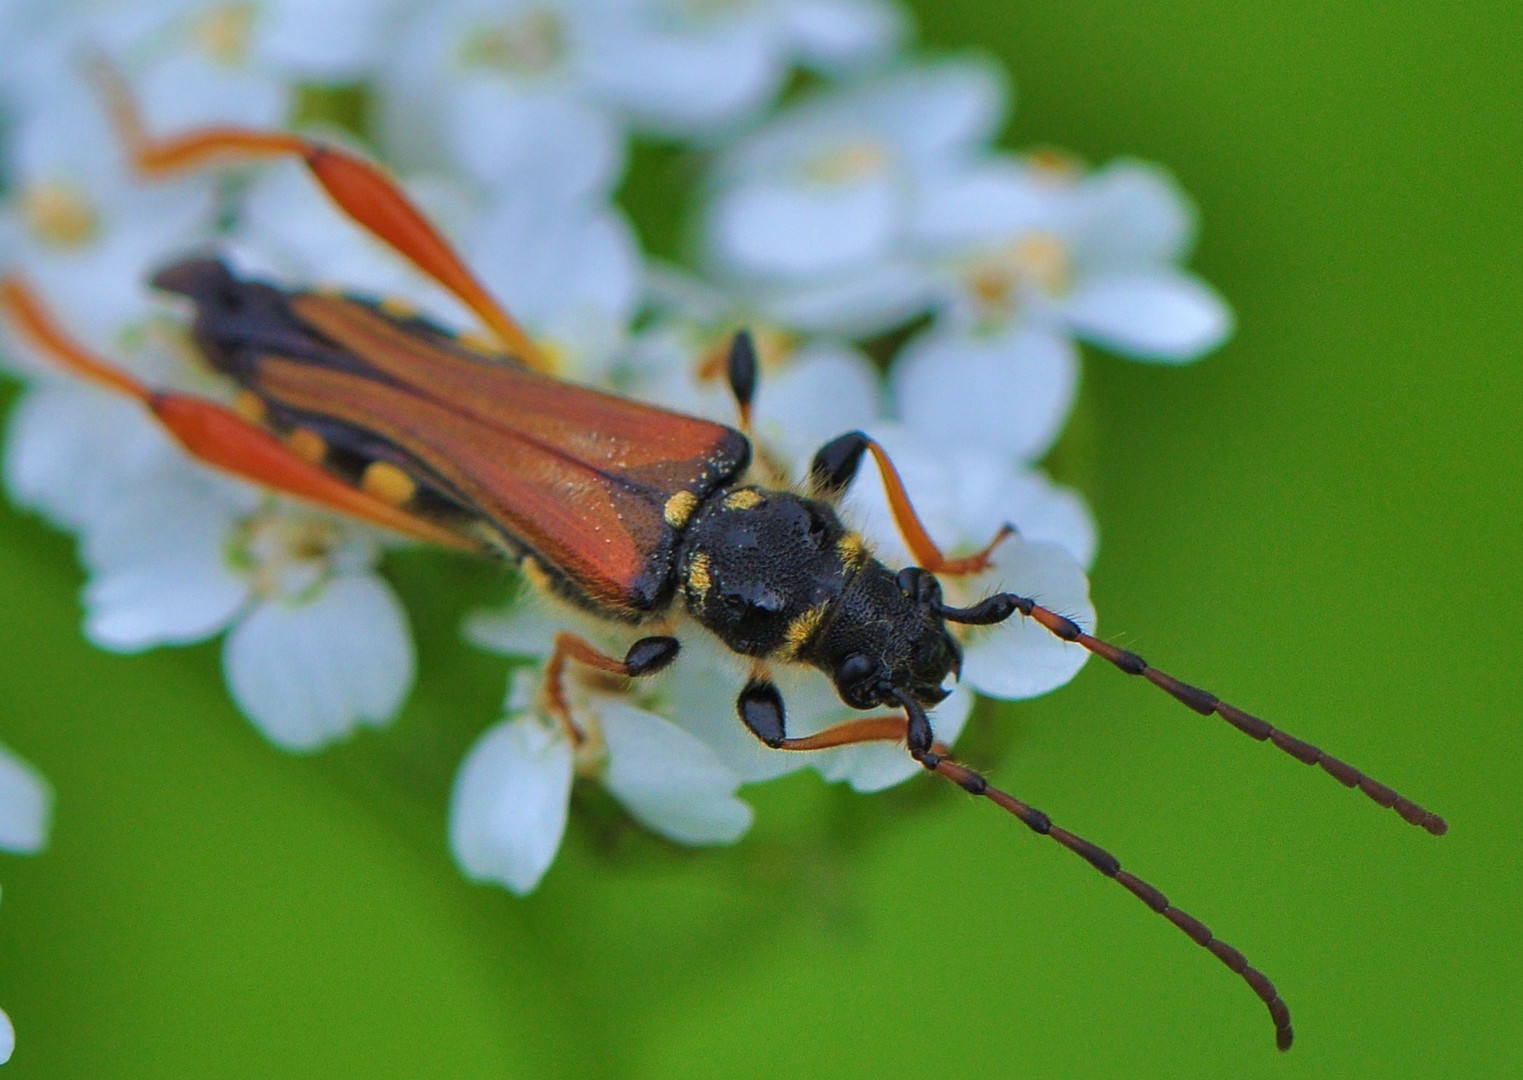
(901, 275)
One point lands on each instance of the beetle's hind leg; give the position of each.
(364, 192)
(210, 432)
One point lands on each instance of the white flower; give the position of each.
(7, 1038)
(963, 499)
(26, 806)
(508, 811)
(1095, 254)
(688, 67)
(1026, 255)
(87, 233)
(499, 88)
(317, 643)
(815, 209)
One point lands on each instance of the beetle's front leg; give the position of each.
(835, 466)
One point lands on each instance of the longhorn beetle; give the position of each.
(627, 511)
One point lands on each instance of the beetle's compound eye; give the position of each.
(919, 585)
(857, 680)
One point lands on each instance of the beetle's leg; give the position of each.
(1002, 606)
(645, 657)
(361, 190)
(740, 370)
(836, 464)
(212, 433)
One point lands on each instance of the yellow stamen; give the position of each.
(59, 214)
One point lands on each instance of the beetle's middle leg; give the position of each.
(836, 464)
(645, 657)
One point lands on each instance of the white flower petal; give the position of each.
(70, 447)
(834, 34)
(869, 300)
(680, 79)
(506, 136)
(991, 491)
(671, 782)
(1163, 315)
(26, 806)
(308, 673)
(188, 90)
(523, 628)
(1008, 394)
(827, 390)
(508, 809)
(978, 205)
(7, 1038)
(569, 268)
(1019, 658)
(335, 41)
(803, 230)
(159, 570)
(1131, 214)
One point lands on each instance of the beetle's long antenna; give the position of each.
(1001, 606)
(1110, 866)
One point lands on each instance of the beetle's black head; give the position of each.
(777, 576)
(886, 637)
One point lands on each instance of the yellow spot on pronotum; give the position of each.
(250, 406)
(699, 580)
(852, 549)
(679, 508)
(399, 308)
(799, 631)
(307, 445)
(388, 483)
(535, 573)
(744, 499)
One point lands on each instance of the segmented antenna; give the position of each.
(1103, 861)
(1001, 606)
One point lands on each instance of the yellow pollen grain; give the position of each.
(535, 573)
(744, 499)
(224, 31)
(398, 308)
(699, 580)
(307, 445)
(250, 406)
(799, 631)
(851, 162)
(388, 483)
(59, 215)
(679, 508)
(852, 550)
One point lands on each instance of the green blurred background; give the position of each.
(1321, 522)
